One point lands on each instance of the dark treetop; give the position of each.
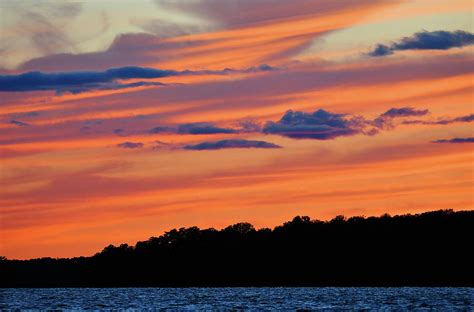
(433, 248)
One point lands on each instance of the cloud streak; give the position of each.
(319, 125)
(456, 140)
(108, 86)
(385, 120)
(244, 126)
(79, 81)
(324, 125)
(426, 40)
(231, 13)
(404, 112)
(467, 118)
(224, 144)
(203, 128)
(18, 123)
(82, 81)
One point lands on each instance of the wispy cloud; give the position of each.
(426, 40)
(467, 118)
(275, 18)
(231, 13)
(39, 28)
(385, 120)
(404, 112)
(456, 140)
(237, 143)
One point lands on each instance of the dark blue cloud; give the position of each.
(260, 68)
(468, 118)
(79, 81)
(162, 129)
(381, 50)
(82, 81)
(203, 128)
(384, 121)
(456, 140)
(404, 112)
(135, 72)
(231, 144)
(130, 145)
(320, 125)
(427, 40)
(19, 123)
(246, 125)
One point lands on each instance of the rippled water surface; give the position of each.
(188, 299)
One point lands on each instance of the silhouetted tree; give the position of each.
(243, 228)
(426, 249)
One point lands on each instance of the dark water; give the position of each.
(271, 299)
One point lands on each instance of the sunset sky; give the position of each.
(120, 120)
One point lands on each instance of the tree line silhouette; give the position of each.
(427, 249)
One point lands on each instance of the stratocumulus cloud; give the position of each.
(456, 140)
(81, 81)
(426, 40)
(237, 143)
(320, 125)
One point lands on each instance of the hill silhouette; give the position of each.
(428, 249)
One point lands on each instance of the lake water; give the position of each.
(188, 299)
